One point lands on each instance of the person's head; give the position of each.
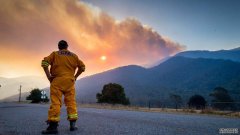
(62, 45)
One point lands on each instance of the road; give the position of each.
(28, 119)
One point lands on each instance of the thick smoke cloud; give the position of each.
(30, 30)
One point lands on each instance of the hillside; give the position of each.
(130, 77)
(186, 74)
(180, 75)
(236, 49)
(233, 54)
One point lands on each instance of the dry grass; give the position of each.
(207, 111)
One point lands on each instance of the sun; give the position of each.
(103, 58)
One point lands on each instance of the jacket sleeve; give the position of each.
(48, 60)
(80, 64)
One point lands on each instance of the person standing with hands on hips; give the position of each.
(62, 78)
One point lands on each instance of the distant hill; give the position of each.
(189, 76)
(10, 86)
(233, 54)
(157, 63)
(186, 74)
(179, 75)
(238, 48)
(129, 76)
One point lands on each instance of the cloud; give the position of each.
(32, 28)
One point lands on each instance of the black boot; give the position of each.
(73, 125)
(52, 128)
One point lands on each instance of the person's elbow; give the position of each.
(81, 68)
(44, 64)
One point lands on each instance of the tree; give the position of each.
(36, 96)
(222, 100)
(177, 100)
(112, 93)
(197, 101)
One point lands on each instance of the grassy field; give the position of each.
(207, 111)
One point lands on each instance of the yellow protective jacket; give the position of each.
(63, 63)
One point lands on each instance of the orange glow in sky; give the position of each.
(30, 31)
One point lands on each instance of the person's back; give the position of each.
(62, 78)
(63, 63)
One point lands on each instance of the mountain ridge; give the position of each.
(181, 74)
(178, 75)
(233, 54)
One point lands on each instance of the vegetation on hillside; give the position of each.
(112, 93)
(197, 101)
(177, 100)
(222, 100)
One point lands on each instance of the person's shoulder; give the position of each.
(52, 53)
(73, 54)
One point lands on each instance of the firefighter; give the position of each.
(62, 78)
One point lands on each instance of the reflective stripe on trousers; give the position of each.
(72, 116)
(55, 119)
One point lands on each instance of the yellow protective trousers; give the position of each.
(62, 86)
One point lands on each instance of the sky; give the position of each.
(197, 24)
(110, 33)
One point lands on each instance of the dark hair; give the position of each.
(62, 44)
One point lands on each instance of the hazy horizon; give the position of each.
(82, 76)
